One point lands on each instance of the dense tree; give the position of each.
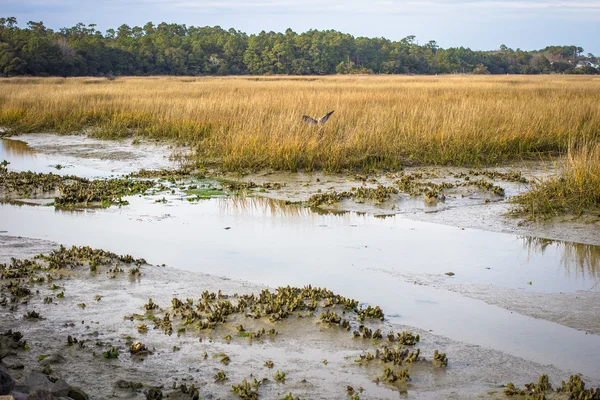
(174, 49)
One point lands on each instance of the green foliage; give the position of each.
(112, 353)
(174, 49)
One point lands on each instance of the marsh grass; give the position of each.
(241, 123)
(575, 190)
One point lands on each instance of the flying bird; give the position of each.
(322, 120)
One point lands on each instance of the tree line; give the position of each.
(175, 49)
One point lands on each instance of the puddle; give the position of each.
(300, 186)
(380, 261)
(81, 156)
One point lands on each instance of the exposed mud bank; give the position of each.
(299, 348)
(579, 310)
(466, 207)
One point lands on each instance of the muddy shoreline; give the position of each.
(552, 276)
(299, 348)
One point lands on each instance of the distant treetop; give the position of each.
(175, 49)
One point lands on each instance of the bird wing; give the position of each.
(326, 117)
(309, 120)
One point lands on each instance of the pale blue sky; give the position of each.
(478, 24)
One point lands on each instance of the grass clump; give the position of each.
(245, 391)
(203, 193)
(112, 353)
(576, 190)
(574, 389)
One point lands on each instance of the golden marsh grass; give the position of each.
(379, 121)
(575, 190)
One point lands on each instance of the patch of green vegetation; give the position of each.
(72, 190)
(280, 376)
(220, 376)
(223, 358)
(112, 353)
(32, 315)
(245, 391)
(440, 359)
(236, 186)
(169, 174)
(202, 193)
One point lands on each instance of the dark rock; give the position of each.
(6, 353)
(134, 386)
(21, 388)
(17, 376)
(41, 395)
(61, 388)
(178, 395)
(77, 394)
(7, 384)
(36, 381)
(154, 394)
(122, 384)
(16, 365)
(18, 395)
(53, 359)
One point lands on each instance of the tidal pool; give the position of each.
(80, 155)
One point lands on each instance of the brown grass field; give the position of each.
(380, 122)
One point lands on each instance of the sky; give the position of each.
(478, 24)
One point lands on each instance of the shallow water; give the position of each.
(379, 261)
(80, 155)
(390, 261)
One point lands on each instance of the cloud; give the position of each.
(537, 5)
(379, 6)
(321, 7)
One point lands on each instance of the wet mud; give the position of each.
(319, 359)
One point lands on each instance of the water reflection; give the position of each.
(375, 260)
(241, 204)
(384, 216)
(81, 156)
(16, 148)
(578, 259)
